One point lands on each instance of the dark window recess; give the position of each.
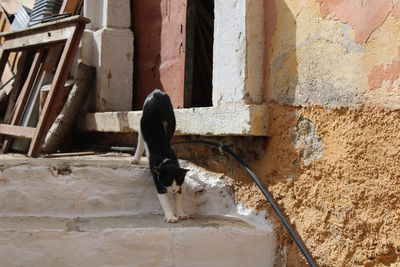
(199, 53)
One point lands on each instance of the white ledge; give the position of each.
(247, 120)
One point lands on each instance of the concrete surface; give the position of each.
(87, 186)
(127, 241)
(86, 224)
(248, 120)
(102, 211)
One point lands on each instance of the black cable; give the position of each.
(269, 197)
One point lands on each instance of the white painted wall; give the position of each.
(238, 52)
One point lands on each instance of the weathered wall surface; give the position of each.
(333, 53)
(333, 160)
(339, 185)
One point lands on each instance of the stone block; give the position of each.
(110, 50)
(108, 13)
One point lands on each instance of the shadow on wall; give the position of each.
(281, 75)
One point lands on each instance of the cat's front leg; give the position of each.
(139, 149)
(168, 210)
(179, 210)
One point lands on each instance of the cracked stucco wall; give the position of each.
(333, 53)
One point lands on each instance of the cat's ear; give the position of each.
(184, 171)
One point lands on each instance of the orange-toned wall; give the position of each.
(333, 158)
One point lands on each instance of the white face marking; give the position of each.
(174, 188)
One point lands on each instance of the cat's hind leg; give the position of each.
(168, 210)
(139, 149)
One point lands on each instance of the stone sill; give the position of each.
(242, 120)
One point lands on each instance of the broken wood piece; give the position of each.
(70, 154)
(64, 123)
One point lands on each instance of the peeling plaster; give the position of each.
(364, 17)
(307, 141)
(331, 34)
(385, 75)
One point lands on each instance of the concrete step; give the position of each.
(96, 185)
(140, 240)
(103, 211)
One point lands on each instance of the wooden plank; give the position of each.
(8, 72)
(43, 38)
(71, 6)
(17, 131)
(3, 60)
(45, 27)
(56, 97)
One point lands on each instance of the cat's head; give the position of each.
(171, 176)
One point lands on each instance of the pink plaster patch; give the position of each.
(385, 72)
(364, 18)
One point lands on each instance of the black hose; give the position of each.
(269, 197)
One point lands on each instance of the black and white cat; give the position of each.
(157, 126)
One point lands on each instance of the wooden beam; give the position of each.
(57, 96)
(17, 131)
(42, 38)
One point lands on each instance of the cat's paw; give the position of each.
(135, 160)
(183, 216)
(171, 219)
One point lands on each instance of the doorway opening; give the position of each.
(199, 53)
(173, 47)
